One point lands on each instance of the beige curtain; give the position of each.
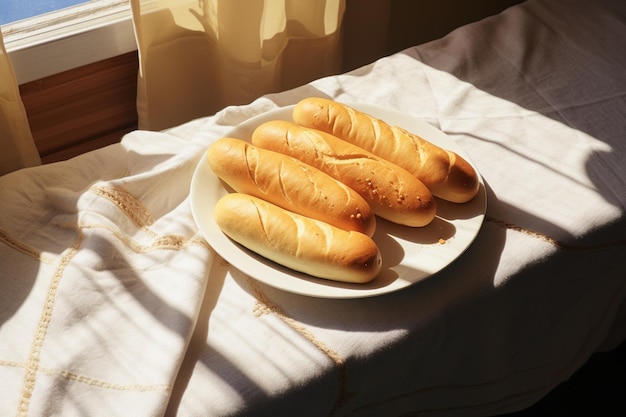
(198, 56)
(17, 148)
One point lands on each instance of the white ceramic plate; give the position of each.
(410, 255)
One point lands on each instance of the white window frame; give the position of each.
(66, 39)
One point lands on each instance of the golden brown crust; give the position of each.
(445, 173)
(290, 183)
(298, 242)
(393, 192)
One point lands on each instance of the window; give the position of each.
(16, 10)
(79, 34)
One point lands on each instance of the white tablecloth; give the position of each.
(113, 304)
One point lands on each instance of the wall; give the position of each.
(83, 109)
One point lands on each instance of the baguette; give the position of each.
(444, 172)
(392, 192)
(290, 184)
(297, 242)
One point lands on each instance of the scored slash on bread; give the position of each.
(298, 242)
(393, 193)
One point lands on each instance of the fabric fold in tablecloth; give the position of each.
(103, 272)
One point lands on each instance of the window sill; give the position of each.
(69, 38)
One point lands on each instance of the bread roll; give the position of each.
(298, 242)
(445, 173)
(393, 193)
(290, 184)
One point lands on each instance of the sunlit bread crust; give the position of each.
(392, 192)
(291, 184)
(445, 173)
(298, 242)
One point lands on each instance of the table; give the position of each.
(112, 302)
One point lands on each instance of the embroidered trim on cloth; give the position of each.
(548, 239)
(32, 365)
(24, 248)
(132, 208)
(265, 306)
(138, 213)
